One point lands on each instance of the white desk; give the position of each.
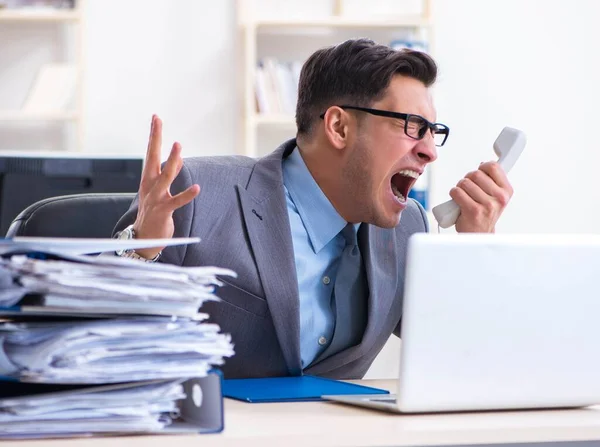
(326, 423)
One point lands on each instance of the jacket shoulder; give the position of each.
(414, 218)
(217, 163)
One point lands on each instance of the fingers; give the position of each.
(170, 171)
(463, 199)
(482, 181)
(474, 217)
(172, 167)
(474, 191)
(185, 197)
(497, 174)
(152, 163)
(482, 197)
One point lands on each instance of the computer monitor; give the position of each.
(26, 178)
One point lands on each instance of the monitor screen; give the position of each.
(28, 178)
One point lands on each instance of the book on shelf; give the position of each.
(37, 5)
(413, 44)
(276, 86)
(53, 89)
(381, 9)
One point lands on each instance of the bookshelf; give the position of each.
(45, 16)
(342, 22)
(55, 96)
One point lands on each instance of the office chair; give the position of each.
(91, 215)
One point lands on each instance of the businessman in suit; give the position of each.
(316, 230)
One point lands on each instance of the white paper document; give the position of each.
(107, 285)
(80, 246)
(144, 407)
(110, 351)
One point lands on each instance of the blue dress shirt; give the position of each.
(318, 245)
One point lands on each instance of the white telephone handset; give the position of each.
(508, 146)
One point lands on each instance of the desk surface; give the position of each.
(327, 423)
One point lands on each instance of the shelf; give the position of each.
(19, 116)
(341, 22)
(37, 15)
(275, 120)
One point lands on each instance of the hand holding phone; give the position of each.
(508, 146)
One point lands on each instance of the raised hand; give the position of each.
(156, 204)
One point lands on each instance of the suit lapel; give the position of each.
(379, 248)
(379, 251)
(265, 213)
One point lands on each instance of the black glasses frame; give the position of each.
(436, 128)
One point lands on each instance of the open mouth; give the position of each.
(401, 183)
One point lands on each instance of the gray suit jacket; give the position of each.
(242, 220)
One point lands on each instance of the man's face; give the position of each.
(383, 162)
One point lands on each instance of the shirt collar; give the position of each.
(320, 218)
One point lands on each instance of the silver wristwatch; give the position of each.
(129, 233)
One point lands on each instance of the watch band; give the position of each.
(133, 255)
(129, 233)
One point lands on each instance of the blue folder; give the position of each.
(291, 389)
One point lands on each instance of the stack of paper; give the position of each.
(109, 285)
(134, 408)
(127, 335)
(107, 351)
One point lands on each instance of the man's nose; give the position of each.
(426, 149)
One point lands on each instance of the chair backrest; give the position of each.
(91, 215)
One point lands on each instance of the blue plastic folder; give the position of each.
(291, 389)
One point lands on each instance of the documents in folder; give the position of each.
(30, 411)
(134, 408)
(82, 246)
(105, 345)
(110, 350)
(104, 285)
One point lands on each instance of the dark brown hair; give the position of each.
(357, 72)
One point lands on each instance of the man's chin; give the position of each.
(387, 221)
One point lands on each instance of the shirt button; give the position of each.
(322, 341)
(326, 280)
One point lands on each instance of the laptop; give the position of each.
(497, 322)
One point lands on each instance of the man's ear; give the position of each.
(336, 127)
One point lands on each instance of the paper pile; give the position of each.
(117, 338)
(107, 285)
(133, 409)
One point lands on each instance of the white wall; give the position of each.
(173, 58)
(531, 64)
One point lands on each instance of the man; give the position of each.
(306, 299)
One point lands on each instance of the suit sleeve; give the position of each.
(425, 228)
(183, 218)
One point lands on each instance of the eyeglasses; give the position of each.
(415, 126)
